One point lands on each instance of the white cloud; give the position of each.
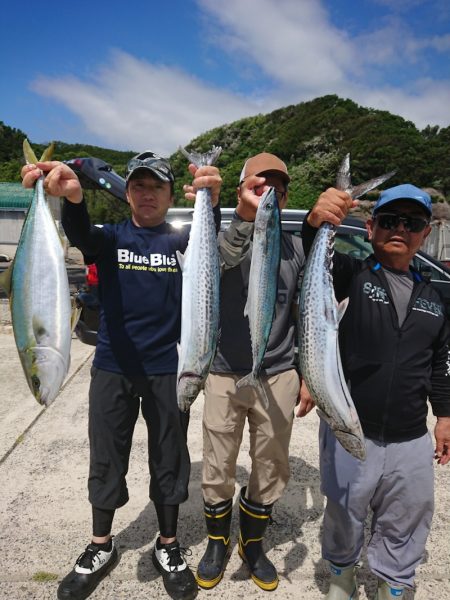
(133, 104)
(425, 104)
(291, 41)
(290, 49)
(441, 43)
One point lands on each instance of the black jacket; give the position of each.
(391, 371)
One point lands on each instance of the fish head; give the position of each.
(189, 386)
(268, 209)
(45, 370)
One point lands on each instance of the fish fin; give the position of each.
(181, 259)
(342, 307)
(28, 152)
(253, 381)
(249, 379)
(5, 280)
(352, 443)
(75, 315)
(323, 415)
(200, 159)
(40, 333)
(48, 153)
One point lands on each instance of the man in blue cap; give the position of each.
(394, 344)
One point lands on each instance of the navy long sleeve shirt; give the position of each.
(140, 285)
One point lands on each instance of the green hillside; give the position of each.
(311, 137)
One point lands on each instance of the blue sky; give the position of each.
(152, 75)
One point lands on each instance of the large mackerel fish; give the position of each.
(319, 317)
(38, 289)
(200, 296)
(263, 285)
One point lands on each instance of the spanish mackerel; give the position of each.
(263, 285)
(319, 317)
(38, 289)
(200, 296)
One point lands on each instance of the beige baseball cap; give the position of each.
(264, 163)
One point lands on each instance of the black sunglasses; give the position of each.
(391, 221)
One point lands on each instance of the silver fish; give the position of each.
(263, 285)
(319, 317)
(200, 296)
(38, 288)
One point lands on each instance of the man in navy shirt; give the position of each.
(135, 364)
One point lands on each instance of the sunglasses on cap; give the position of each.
(155, 162)
(391, 221)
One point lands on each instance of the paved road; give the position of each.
(45, 517)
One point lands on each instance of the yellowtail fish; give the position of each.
(38, 290)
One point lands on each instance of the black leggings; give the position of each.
(167, 519)
(167, 514)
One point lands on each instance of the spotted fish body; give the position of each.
(319, 316)
(263, 285)
(200, 295)
(40, 301)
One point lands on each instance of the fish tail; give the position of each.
(252, 380)
(30, 156)
(199, 159)
(28, 152)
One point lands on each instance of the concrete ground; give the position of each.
(45, 516)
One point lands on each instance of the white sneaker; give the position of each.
(178, 578)
(93, 559)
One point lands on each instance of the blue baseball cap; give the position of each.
(406, 191)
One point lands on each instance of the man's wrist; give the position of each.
(243, 217)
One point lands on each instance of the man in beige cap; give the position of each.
(227, 407)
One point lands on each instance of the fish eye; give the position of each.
(269, 206)
(35, 382)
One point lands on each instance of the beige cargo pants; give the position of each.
(225, 412)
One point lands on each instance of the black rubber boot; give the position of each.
(212, 565)
(254, 519)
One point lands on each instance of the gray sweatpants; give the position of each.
(397, 482)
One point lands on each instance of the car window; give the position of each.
(354, 244)
(428, 270)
